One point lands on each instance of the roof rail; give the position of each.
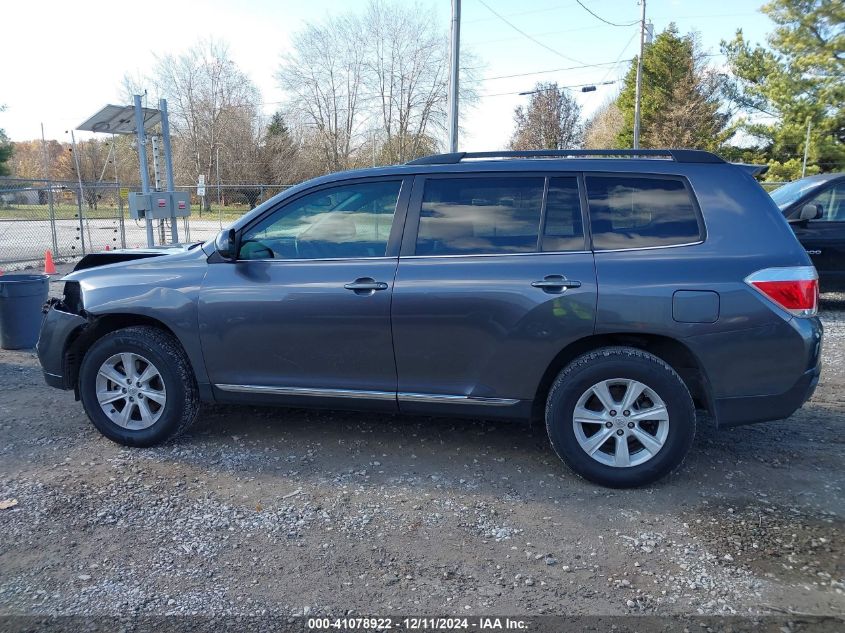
(678, 155)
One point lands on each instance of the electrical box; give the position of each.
(159, 205)
(181, 201)
(139, 205)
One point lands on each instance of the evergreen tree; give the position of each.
(798, 79)
(680, 97)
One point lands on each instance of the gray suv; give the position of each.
(610, 294)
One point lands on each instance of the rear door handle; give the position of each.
(365, 285)
(551, 283)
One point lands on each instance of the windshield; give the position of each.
(789, 193)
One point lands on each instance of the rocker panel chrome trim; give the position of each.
(434, 398)
(307, 391)
(365, 394)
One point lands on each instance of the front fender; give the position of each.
(163, 289)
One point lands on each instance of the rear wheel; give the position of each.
(137, 386)
(620, 417)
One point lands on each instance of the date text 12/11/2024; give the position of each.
(417, 623)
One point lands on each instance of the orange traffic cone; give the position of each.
(49, 266)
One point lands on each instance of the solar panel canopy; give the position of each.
(115, 119)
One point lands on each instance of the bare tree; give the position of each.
(550, 121)
(603, 128)
(372, 87)
(213, 108)
(324, 77)
(407, 71)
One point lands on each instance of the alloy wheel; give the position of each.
(621, 422)
(131, 391)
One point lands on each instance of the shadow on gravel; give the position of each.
(375, 449)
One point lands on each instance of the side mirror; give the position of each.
(226, 244)
(810, 212)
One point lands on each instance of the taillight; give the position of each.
(795, 289)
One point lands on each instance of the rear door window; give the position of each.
(476, 216)
(639, 212)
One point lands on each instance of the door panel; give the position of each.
(475, 325)
(304, 315)
(479, 311)
(294, 324)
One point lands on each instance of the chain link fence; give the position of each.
(71, 220)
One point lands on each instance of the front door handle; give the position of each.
(365, 286)
(556, 283)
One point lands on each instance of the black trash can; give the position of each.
(21, 298)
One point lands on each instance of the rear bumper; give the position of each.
(762, 373)
(56, 328)
(747, 410)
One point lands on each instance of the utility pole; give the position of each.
(454, 67)
(806, 148)
(639, 81)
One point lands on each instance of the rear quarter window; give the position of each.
(640, 212)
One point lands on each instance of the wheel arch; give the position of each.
(670, 350)
(97, 328)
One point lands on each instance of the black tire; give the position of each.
(165, 352)
(627, 363)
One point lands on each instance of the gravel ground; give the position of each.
(279, 511)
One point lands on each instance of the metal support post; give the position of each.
(142, 160)
(806, 148)
(168, 166)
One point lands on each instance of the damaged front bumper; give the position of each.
(57, 329)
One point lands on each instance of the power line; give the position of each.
(598, 17)
(555, 70)
(619, 57)
(580, 29)
(520, 31)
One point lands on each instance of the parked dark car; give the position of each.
(609, 294)
(815, 207)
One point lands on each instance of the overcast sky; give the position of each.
(62, 61)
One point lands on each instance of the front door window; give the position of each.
(347, 221)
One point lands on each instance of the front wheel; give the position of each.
(137, 386)
(620, 417)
